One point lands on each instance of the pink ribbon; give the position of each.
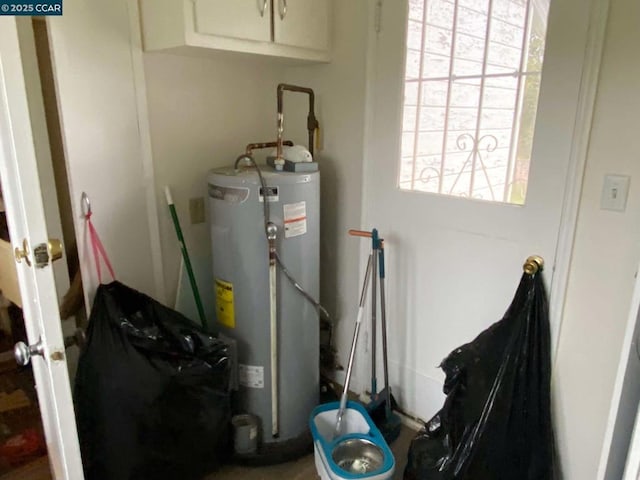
(98, 250)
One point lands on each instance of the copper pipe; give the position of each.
(312, 121)
(360, 233)
(257, 146)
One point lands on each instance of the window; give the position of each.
(471, 92)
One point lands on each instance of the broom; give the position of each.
(381, 404)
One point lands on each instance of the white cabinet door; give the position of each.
(302, 23)
(19, 122)
(243, 19)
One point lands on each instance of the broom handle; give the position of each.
(383, 321)
(185, 256)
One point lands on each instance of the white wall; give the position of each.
(202, 113)
(340, 90)
(606, 246)
(94, 53)
(605, 257)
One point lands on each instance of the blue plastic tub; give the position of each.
(356, 424)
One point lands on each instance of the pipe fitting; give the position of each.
(272, 231)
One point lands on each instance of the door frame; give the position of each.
(621, 445)
(592, 63)
(25, 212)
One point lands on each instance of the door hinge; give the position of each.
(378, 17)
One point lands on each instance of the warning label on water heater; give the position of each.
(295, 219)
(224, 304)
(250, 376)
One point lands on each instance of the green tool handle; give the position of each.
(187, 260)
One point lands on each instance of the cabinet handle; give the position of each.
(264, 8)
(282, 6)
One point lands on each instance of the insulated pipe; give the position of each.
(312, 121)
(272, 232)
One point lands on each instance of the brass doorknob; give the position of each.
(43, 254)
(533, 264)
(23, 254)
(54, 246)
(46, 253)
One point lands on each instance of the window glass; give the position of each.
(472, 80)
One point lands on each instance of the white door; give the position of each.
(100, 87)
(454, 263)
(632, 468)
(244, 19)
(302, 23)
(26, 218)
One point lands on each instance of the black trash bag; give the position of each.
(496, 421)
(151, 392)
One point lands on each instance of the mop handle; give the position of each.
(378, 242)
(352, 354)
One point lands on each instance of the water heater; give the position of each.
(242, 283)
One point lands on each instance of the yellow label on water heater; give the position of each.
(224, 304)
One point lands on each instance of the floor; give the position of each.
(36, 470)
(304, 468)
(22, 440)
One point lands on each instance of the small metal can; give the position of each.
(245, 434)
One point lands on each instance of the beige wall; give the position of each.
(94, 58)
(202, 113)
(600, 287)
(340, 89)
(605, 257)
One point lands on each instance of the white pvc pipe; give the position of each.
(273, 314)
(272, 233)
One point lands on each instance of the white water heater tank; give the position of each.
(241, 275)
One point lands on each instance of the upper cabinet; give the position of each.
(301, 23)
(295, 29)
(242, 19)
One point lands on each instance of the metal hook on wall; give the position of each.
(533, 264)
(85, 205)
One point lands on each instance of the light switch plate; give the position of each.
(615, 190)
